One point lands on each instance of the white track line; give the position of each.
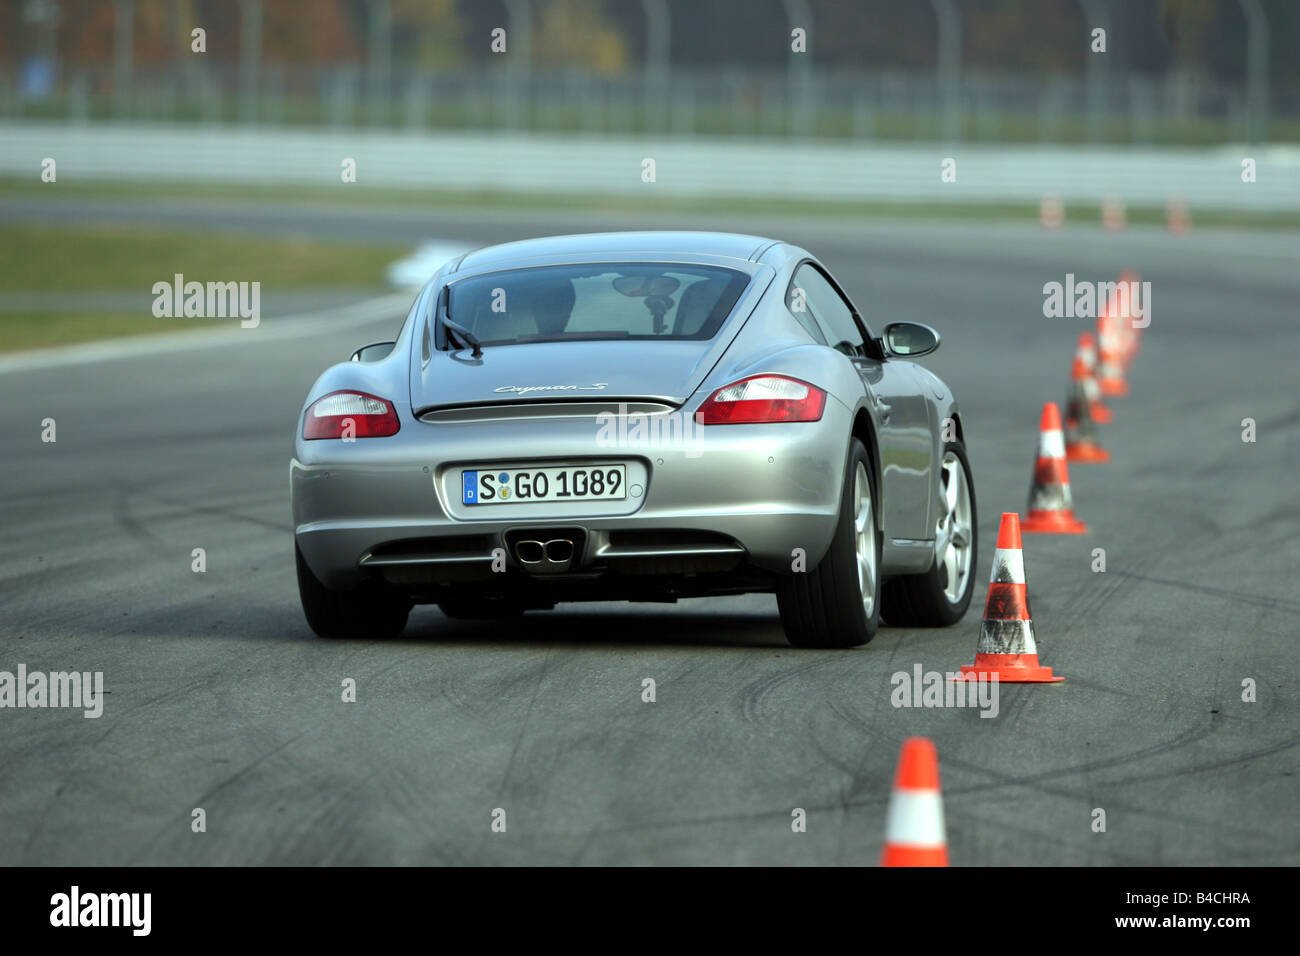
(287, 327)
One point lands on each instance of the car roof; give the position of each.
(600, 245)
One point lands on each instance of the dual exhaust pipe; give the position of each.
(546, 557)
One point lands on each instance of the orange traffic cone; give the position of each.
(1051, 509)
(1087, 351)
(1130, 333)
(1110, 372)
(1080, 431)
(914, 834)
(1007, 647)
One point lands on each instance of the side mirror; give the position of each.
(373, 352)
(910, 339)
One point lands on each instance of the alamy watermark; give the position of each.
(661, 430)
(54, 689)
(77, 909)
(922, 688)
(1085, 300)
(212, 300)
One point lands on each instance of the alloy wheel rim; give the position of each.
(864, 528)
(953, 536)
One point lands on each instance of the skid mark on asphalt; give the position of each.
(524, 725)
(1260, 832)
(1231, 596)
(185, 507)
(751, 696)
(1033, 780)
(205, 798)
(123, 518)
(1075, 681)
(1109, 587)
(859, 769)
(1042, 781)
(1088, 600)
(46, 807)
(1221, 764)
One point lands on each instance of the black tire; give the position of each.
(824, 607)
(370, 610)
(918, 600)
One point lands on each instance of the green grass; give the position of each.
(115, 259)
(35, 330)
(38, 258)
(376, 197)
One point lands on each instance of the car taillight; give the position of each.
(763, 398)
(350, 415)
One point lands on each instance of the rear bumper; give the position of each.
(769, 488)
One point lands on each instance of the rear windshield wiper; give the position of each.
(455, 330)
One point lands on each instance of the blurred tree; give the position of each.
(1028, 36)
(320, 32)
(580, 34)
(428, 33)
(1049, 36)
(157, 39)
(1187, 25)
(86, 32)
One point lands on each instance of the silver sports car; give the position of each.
(639, 416)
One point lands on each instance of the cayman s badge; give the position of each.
(523, 389)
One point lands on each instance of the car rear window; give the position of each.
(621, 300)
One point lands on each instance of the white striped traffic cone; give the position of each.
(1110, 352)
(1087, 352)
(1007, 647)
(1051, 507)
(1113, 216)
(914, 834)
(1081, 442)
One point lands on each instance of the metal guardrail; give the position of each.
(615, 165)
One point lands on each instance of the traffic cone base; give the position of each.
(1053, 522)
(1010, 669)
(1101, 414)
(1086, 452)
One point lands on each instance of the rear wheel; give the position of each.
(370, 610)
(835, 604)
(940, 596)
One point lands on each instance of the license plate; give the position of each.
(509, 486)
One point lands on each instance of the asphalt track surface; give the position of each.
(221, 698)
